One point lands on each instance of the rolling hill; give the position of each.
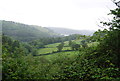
(24, 32)
(66, 31)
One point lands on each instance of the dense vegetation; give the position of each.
(89, 58)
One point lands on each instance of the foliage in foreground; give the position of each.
(82, 66)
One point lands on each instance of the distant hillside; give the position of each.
(25, 32)
(65, 31)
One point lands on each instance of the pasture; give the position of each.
(52, 48)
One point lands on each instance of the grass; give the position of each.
(50, 48)
(52, 45)
(66, 43)
(93, 44)
(46, 50)
(66, 48)
(56, 44)
(68, 54)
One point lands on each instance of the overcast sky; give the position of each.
(74, 14)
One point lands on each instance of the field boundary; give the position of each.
(54, 52)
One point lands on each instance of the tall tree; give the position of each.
(60, 46)
(111, 42)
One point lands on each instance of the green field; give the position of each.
(50, 48)
(68, 54)
(66, 43)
